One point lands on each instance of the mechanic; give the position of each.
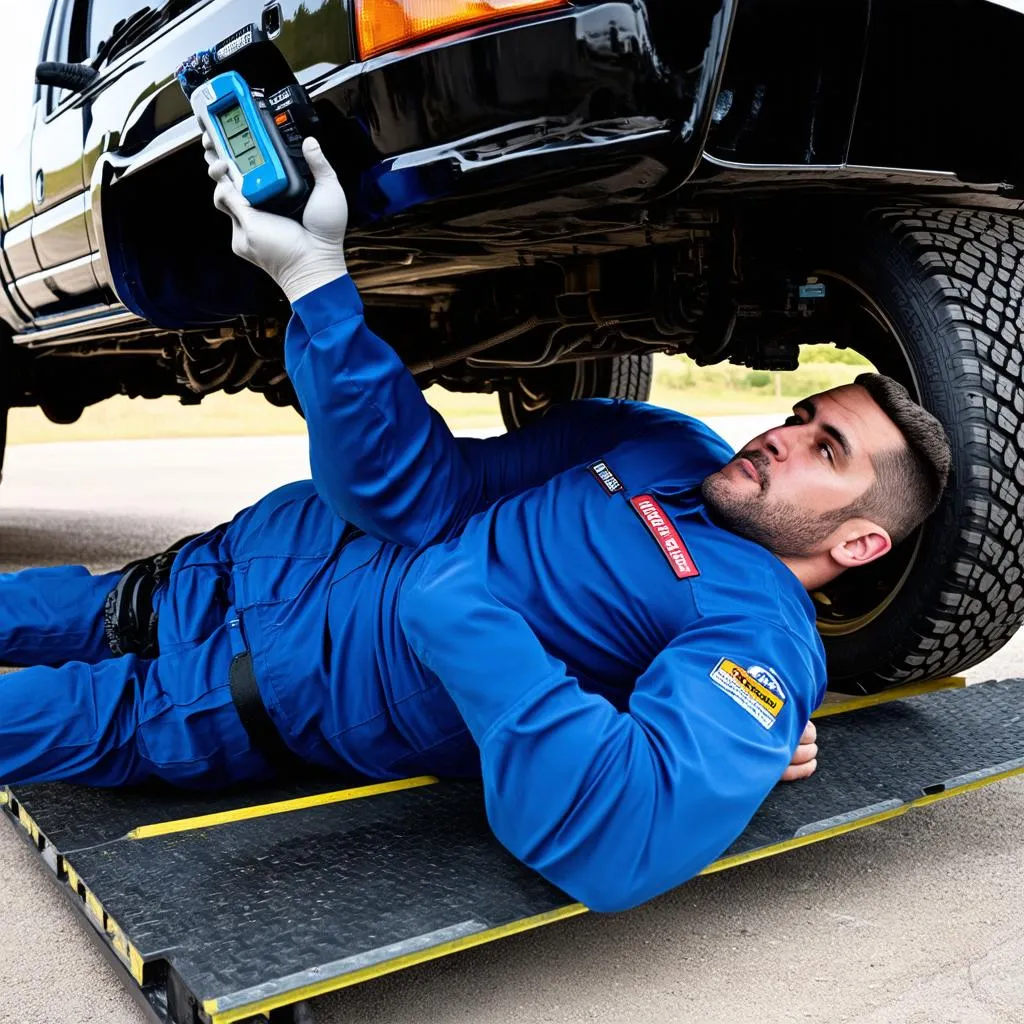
(605, 615)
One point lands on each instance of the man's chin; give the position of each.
(716, 490)
(783, 530)
(732, 479)
(731, 504)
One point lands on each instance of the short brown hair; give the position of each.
(909, 481)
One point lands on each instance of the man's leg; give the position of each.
(125, 720)
(64, 613)
(49, 616)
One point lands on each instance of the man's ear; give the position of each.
(864, 542)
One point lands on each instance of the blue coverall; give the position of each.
(552, 610)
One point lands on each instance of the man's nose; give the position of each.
(776, 444)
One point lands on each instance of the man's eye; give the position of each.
(827, 449)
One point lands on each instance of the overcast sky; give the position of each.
(21, 28)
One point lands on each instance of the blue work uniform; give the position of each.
(552, 610)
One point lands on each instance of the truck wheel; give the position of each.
(535, 391)
(934, 299)
(3, 436)
(7, 364)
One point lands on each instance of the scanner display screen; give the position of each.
(244, 150)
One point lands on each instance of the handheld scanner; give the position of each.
(259, 140)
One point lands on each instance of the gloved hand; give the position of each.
(299, 257)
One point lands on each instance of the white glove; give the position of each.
(299, 257)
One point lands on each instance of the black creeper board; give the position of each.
(223, 908)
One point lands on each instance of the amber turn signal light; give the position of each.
(383, 25)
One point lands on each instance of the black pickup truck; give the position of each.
(544, 193)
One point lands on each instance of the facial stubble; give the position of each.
(781, 526)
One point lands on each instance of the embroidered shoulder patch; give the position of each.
(605, 477)
(756, 689)
(667, 536)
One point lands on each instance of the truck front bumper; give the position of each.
(570, 97)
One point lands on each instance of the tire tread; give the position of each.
(964, 269)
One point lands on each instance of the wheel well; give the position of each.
(163, 234)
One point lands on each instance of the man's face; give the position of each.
(792, 487)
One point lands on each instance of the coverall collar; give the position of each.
(685, 501)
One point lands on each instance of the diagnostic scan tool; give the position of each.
(256, 128)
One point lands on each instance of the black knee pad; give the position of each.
(129, 618)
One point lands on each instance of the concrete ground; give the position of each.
(915, 921)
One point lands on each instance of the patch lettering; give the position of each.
(605, 477)
(757, 689)
(661, 529)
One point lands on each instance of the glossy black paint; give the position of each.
(568, 111)
(942, 90)
(580, 66)
(790, 86)
(57, 255)
(611, 122)
(502, 107)
(916, 97)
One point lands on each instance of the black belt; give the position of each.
(256, 720)
(245, 692)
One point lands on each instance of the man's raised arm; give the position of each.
(380, 456)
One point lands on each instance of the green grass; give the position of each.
(723, 389)
(678, 384)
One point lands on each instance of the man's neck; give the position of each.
(813, 573)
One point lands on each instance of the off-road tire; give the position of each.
(6, 389)
(535, 391)
(950, 282)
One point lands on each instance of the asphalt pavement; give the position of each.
(914, 921)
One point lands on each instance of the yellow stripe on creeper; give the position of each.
(303, 803)
(838, 703)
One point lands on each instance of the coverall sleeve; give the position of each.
(613, 807)
(386, 462)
